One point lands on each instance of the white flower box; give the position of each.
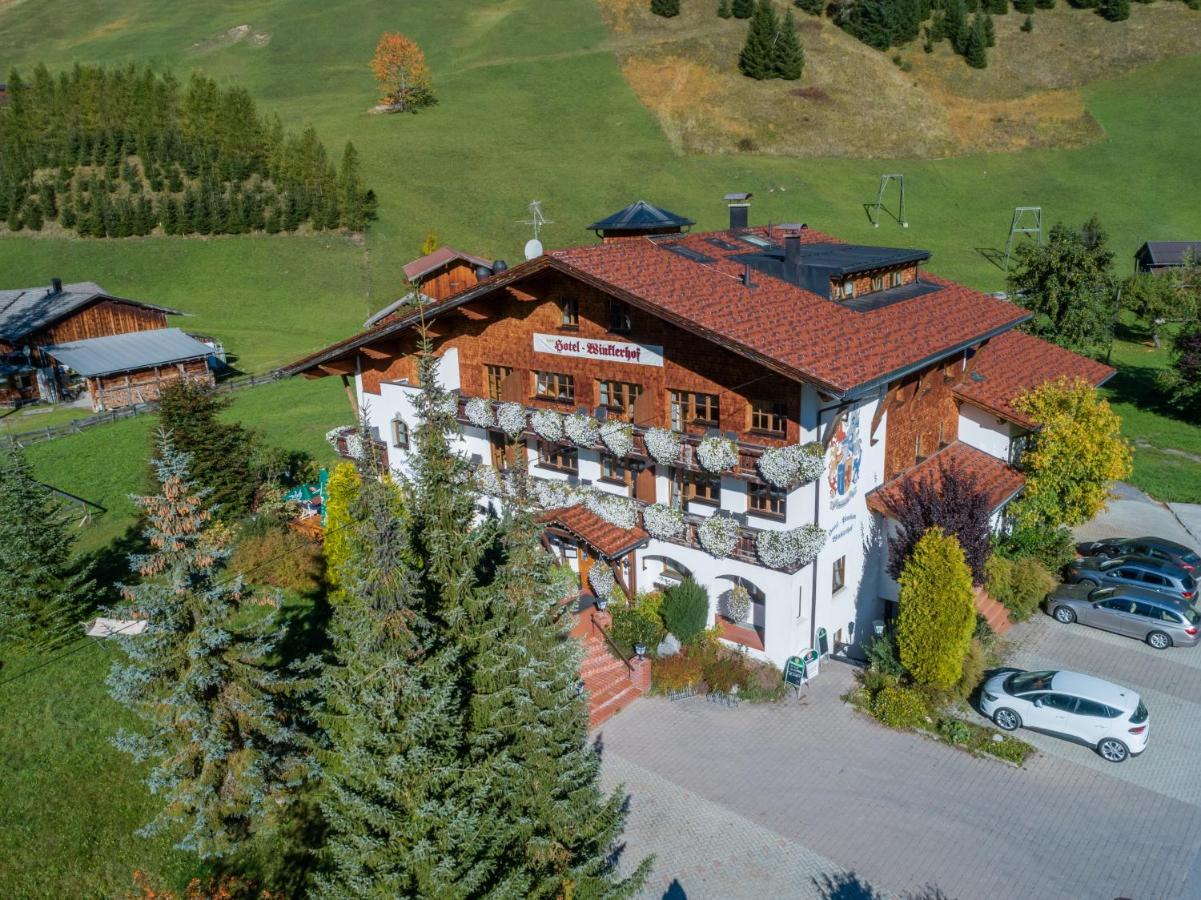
(663, 445)
(511, 419)
(662, 521)
(601, 580)
(738, 604)
(792, 548)
(548, 424)
(480, 412)
(718, 534)
(716, 454)
(581, 429)
(618, 437)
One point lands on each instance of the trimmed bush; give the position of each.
(974, 664)
(900, 707)
(937, 616)
(1053, 547)
(676, 673)
(1019, 585)
(636, 625)
(723, 670)
(882, 655)
(685, 610)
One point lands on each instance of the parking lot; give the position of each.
(736, 802)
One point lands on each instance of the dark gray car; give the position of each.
(1133, 571)
(1156, 548)
(1133, 611)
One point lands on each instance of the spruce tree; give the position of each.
(1027, 24)
(758, 53)
(788, 60)
(665, 8)
(723, 9)
(1045, 4)
(975, 50)
(45, 591)
(225, 755)
(1114, 10)
(955, 26)
(1024, 6)
(743, 9)
(990, 32)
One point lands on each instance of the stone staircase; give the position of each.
(994, 613)
(612, 683)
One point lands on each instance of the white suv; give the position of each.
(1082, 708)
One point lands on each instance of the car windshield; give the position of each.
(1191, 615)
(1140, 714)
(1191, 558)
(1024, 682)
(1189, 582)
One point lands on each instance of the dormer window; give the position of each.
(848, 290)
(894, 278)
(877, 282)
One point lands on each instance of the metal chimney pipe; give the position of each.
(792, 250)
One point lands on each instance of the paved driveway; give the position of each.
(1132, 513)
(739, 803)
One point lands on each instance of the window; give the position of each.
(848, 290)
(689, 408)
(613, 469)
(840, 575)
(554, 386)
(1130, 574)
(765, 500)
(769, 416)
(894, 278)
(1061, 702)
(400, 433)
(619, 316)
(1167, 615)
(1146, 610)
(694, 487)
(877, 282)
(557, 457)
(495, 376)
(1093, 708)
(619, 396)
(501, 449)
(569, 312)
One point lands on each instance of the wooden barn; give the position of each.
(32, 319)
(127, 369)
(435, 276)
(1157, 256)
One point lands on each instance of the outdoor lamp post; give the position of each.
(640, 649)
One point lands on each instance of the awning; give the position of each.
(128, 352)
(609, 541)
(1000, 480)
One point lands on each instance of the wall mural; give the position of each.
(843, 457)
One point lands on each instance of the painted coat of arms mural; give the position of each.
(843, 457)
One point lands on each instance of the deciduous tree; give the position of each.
(937, 615)
(1182, 382)
(403, 75)
(1073, 458)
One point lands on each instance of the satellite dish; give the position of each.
(533, 248)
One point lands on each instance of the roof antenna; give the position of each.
(533, 247)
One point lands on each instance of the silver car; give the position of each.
(1136, 571)
(1135, 612)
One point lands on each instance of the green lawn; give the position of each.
(533, 105)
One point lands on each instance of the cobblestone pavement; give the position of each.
(738, 801)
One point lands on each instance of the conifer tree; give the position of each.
(1114, 10)
(723, 9)
(44, 591)
(1024, 6)
(954, 25)
(990, 32)
(665, 8)
(225, 754)
(1027, 25)
(743, 9)
(758, 53)
(789, 58)
(976, 49)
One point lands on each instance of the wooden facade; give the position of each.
(100, 318)
(144, 385)
(450, 279)
(923, 415)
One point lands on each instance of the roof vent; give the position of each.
(746, 276)
(740, 207)
(499, 266)
(56, 287)
(482, 272)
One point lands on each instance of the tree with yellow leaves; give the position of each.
(1074, 457)
(404, 78)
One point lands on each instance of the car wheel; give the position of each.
(1007, 719)
(1159, 640)
(1113, 750)
(1088, 582)
(1064, 615)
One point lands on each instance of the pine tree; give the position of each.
(743, 9)
(990, 32)
(723, 9)
(954, 25)
(757, 57)
(1024, 6)
(1114, 10)
(1045, 4)
(225, 755)
(45, 591)
(789, 58)
(976, 49)
(665, 8)
(1027, 25)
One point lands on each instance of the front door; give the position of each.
(586, 561)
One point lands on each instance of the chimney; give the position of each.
(56, 287)
(746, 276)
(740, 206)
(792, 251)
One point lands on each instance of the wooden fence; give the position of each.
(36, 436)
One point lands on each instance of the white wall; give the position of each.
(984, 431)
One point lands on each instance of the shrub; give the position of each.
(676, 673)
(1182, 382)
(1009, 749)
(882, 655)
(1053, 547)
(937, 612)
(635, 625)
(281, 558)
(665, 8)
(685, 610)
(954, 731)
(1019, 585)
(723, 669)
(899, 707)
(974, 664)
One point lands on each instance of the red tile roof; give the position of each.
(997, 477)
(818, 338)
(438, 258)
(607, 539)
(1013, 363)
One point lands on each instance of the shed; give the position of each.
(1155, 256)
(125, 369)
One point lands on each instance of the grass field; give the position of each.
(533, 105)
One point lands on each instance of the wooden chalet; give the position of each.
(1160, 256)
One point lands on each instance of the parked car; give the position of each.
(1136, 612)
(1137, 571)
(1107, 717)
(1156, 548)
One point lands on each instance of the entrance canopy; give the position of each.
(995, 477)
(607, 540)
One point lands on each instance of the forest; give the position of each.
(121, 152)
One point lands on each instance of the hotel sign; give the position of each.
(612, 351)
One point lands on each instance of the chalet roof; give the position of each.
(1013, 363)
(641, 216)
(695, 282)
(128, 352)
(407, 300)
(25, 310)
(419, 268)
(1168, 253)
(1000, 480)
(610, 541)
